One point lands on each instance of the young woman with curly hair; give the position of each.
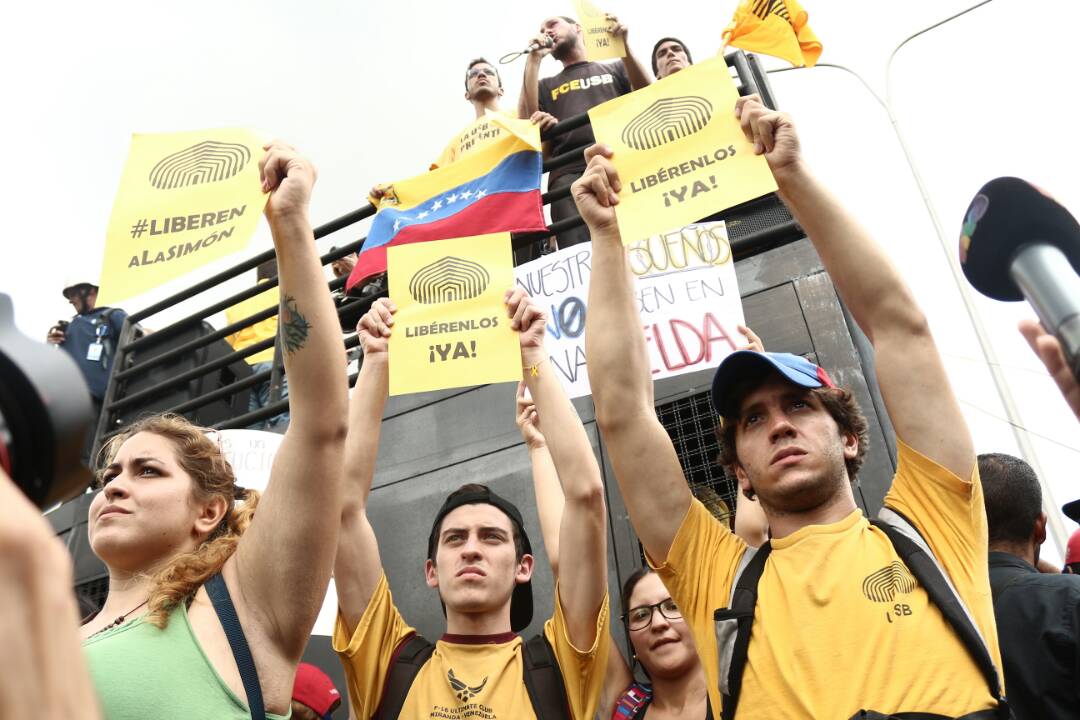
(170, 519)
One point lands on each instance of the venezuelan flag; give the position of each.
(494, 189)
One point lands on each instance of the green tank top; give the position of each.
(142, 672)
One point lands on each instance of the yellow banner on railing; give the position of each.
(451, 328)
(185, 199)
(679, 150)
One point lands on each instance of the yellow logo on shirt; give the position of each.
(582, 84)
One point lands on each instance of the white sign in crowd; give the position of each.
(686, 292)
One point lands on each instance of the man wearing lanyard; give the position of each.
(90, 337)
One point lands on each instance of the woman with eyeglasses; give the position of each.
(660, 640)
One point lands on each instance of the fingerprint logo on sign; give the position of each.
(207, 162)
(448, 280)
(667, 120)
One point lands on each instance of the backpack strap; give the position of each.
(918, 557)
(871, 715)
(107, 340)
(632, 701)
(226, 612)
(410, 656)
(544, 680)
(734, 623)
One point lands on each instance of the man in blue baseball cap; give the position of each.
(842, 626)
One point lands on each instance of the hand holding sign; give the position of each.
(617, 29)
(596, 192)
(604, 36)
(680, 150)
(772, 133)
(374, 327)
(528, 421)
(289, 178)
(451, 328)
(754, 342)
(185, 199)
(529, 321)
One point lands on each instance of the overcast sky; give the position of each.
(372, 92)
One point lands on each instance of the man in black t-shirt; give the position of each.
(581, 85)
(1038, 614)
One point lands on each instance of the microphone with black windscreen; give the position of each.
(1017, 243)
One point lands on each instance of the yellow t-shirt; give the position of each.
(466, 677)
(481, 132)
(827, 639)
(259, 331)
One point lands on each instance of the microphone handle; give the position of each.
(1048, 281)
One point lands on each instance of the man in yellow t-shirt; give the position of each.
(840, 624)
(483, 88)
(479, 560)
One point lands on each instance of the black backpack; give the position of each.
(733, 624)
(543, 680)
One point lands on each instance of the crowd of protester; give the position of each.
(804, 609)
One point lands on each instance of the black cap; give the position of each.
(1072, 510)
(521, 602)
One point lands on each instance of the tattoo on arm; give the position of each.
(294, 326)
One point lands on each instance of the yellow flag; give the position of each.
(774, 27)
(185, 199)
(679, 150)
(451, 328)
(599, 43)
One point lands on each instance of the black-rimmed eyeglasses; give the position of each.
(641, 617)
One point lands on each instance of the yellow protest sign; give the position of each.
(451, 328)
(185, 199)
(679, 150)
(599, 43)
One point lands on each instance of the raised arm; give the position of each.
(913, 382)
(647, 469)
(291, 541)
(582, 583)
(549, 506)
(47, 676)
(635, 71)
(546, 485)
(529, 100)
(358, 566)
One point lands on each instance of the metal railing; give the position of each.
(131, 361)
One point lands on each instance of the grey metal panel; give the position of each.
(776, 267)
(837, 354)
(400, 404)
(401, 513)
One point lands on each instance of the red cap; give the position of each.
(1072, 549)
(315, 689)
